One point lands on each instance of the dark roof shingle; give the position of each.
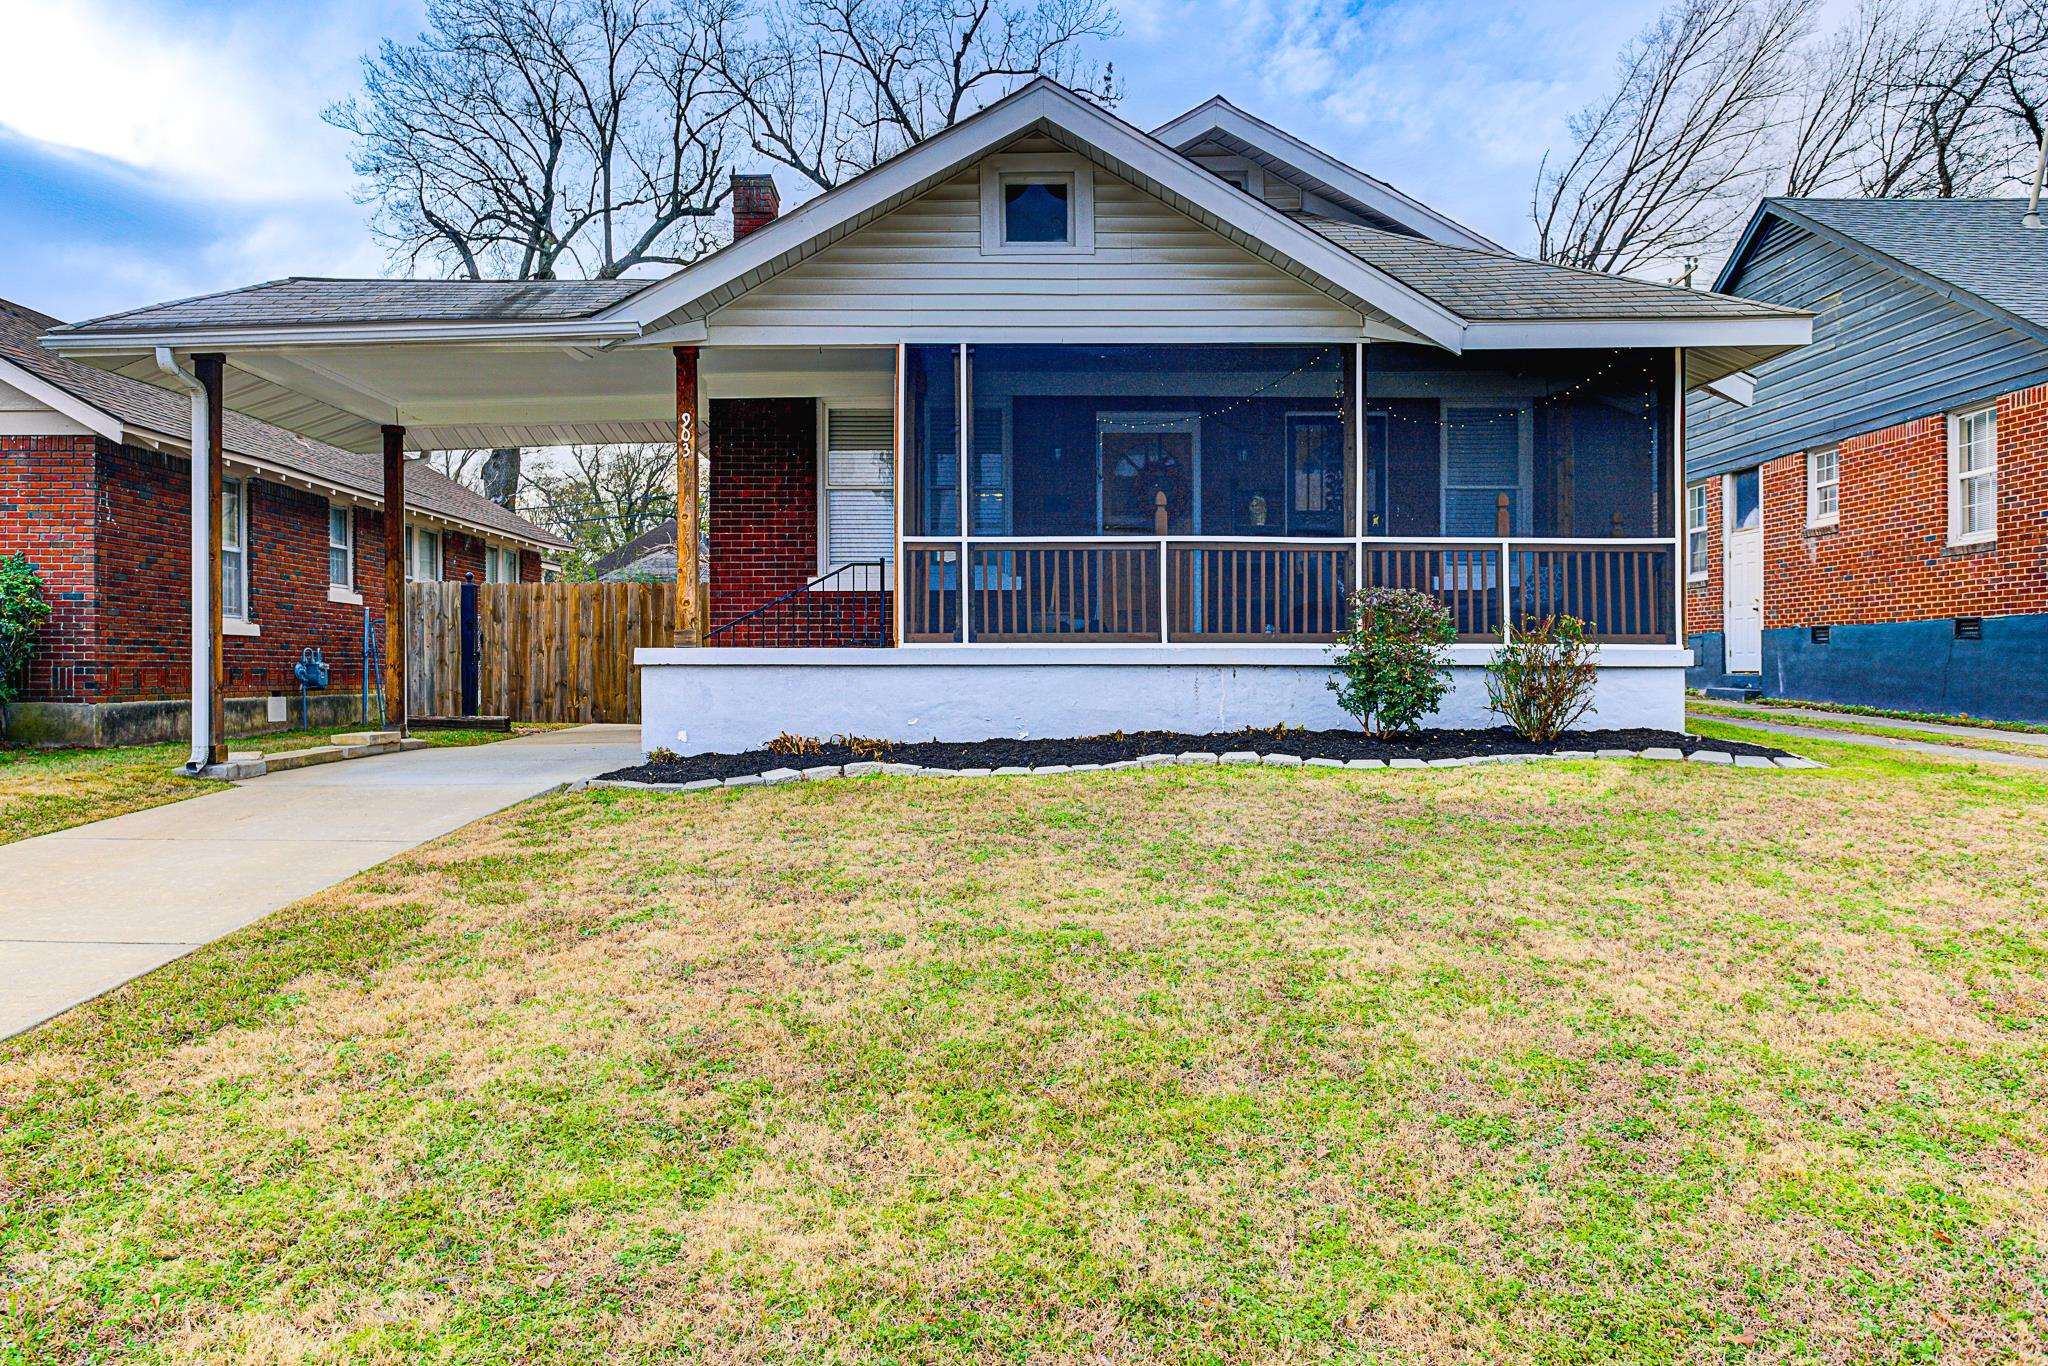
(1485, 286)
(142, 405)
(309, 301)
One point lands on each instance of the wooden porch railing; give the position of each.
(1462, 576)
(1257, 592)
(1083, 591)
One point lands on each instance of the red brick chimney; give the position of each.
(754, 203)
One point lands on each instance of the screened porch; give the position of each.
(1237, 493)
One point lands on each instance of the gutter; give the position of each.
(204, 609)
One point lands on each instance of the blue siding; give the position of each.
(1886, 349)
(1901, 665)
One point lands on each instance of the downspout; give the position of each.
(203, 606)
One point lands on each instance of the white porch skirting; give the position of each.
(700, 701)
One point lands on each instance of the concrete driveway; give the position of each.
(86, 909)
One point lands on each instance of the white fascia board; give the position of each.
(61, 401)
(1041, 101)
(1738, 388)
(1220, 115)
(592, 332)
(1588, 332)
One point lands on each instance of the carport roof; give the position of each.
(304, 300)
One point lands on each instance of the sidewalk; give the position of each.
(86, 909)
(1931, 729)
(1768, 719)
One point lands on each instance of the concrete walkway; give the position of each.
(1932, 729)
(1757, 718)
(86, 909)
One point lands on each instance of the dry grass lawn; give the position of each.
(1589, 1063)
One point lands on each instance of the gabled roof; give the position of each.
(308, 300)
(1218, 120)
(1974, 250)
(648, 544)
(129, 405)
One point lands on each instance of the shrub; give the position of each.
(785, 743)
(23, 610)
(1542, 679)
(1392, 668)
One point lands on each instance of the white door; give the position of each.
(1742, 607)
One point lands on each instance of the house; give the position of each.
(93, 473)
(1049, 424)
(1871, 526)
(649, 557)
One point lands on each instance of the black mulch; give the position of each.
(1106, 749)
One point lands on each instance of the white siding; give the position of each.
(919, 274)
(24, 415)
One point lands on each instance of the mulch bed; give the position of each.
(1109, 749)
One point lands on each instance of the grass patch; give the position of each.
(1575, 1062)
(1939, 718)
(42, 790)
(1987, 742)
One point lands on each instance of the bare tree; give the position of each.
(832, 87)
(1657, 171)
(535, 138)
(1849, 107)
(465, 467)
(600, 497)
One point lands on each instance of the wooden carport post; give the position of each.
(209, 369)
(394, 579)
(689, 625)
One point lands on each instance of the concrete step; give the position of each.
(245, 764)
(1736, 693)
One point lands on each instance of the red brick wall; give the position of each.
(1888, 557)
(108, 527)
(47, 486)
(764, 529)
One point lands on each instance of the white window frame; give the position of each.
(1815, 516)
(238, 547)
(501, 564)
(1243, 172)
(1699, 546)
(412, 557)
(1037, 169)
(1958, 477)
(347, 545)
(823, 485)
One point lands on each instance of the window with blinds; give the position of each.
(859, 486)
(1483, 458)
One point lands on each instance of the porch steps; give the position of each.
(1733, 693)
(255, 763)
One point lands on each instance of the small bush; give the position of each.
(1392, 665)
(868, 748)
(1542, 679)
(23, 610)
(662, 754)
(786, 743)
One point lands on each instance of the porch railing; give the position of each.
(1220, 590)
(843, 606)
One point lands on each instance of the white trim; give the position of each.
(60, 401)
(1816, 519)
(1248, 175)
(240, 550)
(347, 596)
(347, 545)
(1218, 115)
(757, 256)
(1738, 388)
(1957, 477)
(1571, 333)
(238, 626)
(1074, 172)
(949, 654)
(1702, 529)
(822, 487)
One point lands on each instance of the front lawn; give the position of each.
(42, 790)
(1576, 1062)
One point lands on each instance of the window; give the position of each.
(1745, 500)
(859, 509)
(234, 554)
(1973, 476)
(422, 555)
(1037, 203)
(1823, 487)
(1486, 453)
(501, 565)
(1696, 531)
(341, 544)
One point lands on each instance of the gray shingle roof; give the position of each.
(1485, 286)
(308, 301)
(1978, 245)
(142, 405)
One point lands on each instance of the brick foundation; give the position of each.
(764, 530)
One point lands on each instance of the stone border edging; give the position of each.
(775, 777)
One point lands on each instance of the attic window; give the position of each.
(1037, 204)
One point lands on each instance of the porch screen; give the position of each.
(860, 486)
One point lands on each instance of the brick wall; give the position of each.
(763, 501)
(47, 489)
(1887, 559)
(108, 526)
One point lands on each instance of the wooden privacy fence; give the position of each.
(543, 651)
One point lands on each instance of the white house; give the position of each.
(1051, 425)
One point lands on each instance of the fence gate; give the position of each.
(539, 651)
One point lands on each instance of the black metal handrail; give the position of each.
(755, 614)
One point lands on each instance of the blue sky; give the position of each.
(151, 149)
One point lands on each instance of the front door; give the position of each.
(1742, 608)
(1148, 464)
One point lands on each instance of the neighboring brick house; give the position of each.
(1872, 527)
(93, 489)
